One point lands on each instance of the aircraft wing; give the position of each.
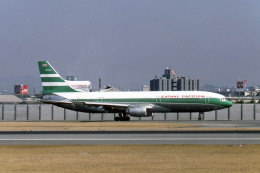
(118, 106)
(107, 104)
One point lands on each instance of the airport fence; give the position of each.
(46, 112)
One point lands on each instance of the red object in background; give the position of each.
(21, 89)
(24, 89)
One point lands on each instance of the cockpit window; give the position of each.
(223, 99)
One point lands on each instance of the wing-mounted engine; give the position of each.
(140, 112)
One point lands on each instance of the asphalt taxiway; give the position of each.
(208, 133)
(130, 138)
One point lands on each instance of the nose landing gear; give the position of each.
(200, 116)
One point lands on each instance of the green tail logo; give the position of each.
(51, 81)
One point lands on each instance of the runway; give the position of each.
(130, 138)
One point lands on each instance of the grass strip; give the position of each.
(130, 159)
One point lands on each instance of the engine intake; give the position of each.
(140, 112)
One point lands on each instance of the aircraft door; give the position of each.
(158, 99)
(100, 99)
(207, 100)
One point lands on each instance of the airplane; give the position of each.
(136, 104)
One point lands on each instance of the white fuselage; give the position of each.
(156, 101)
(142, 95)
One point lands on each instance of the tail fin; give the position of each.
(52, 82)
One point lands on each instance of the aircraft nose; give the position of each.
(228, 104)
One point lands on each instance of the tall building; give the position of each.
(171, 82)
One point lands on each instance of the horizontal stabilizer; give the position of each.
(55, 101)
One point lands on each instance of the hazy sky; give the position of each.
(127, 42)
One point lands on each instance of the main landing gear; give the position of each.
(122, 117)
(200, 116)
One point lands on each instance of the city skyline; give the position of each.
(34, 84)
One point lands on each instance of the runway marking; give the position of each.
(162, 139)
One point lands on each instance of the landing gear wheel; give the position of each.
(200, 115)
(122, 117)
